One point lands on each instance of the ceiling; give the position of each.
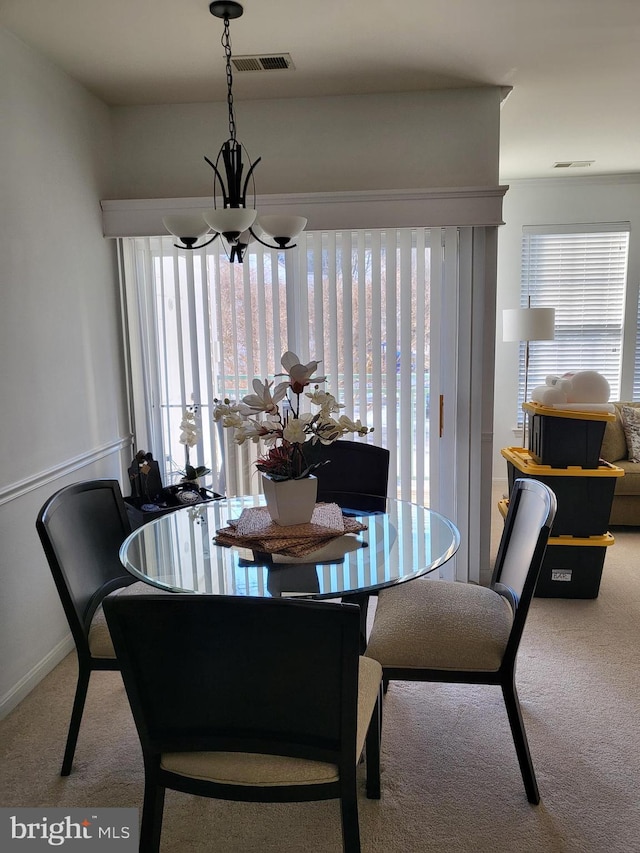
(573, 65)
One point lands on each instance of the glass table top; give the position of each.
(178, 552)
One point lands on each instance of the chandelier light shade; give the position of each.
(230, 221)
(191, 224)
(278, 227)
(233, 217)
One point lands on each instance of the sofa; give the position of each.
(625, 509)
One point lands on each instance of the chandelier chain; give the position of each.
(226, 43)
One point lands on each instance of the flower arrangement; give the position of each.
(275, 417)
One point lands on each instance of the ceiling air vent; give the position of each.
(573, 164)
(271, 62)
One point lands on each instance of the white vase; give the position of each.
(290, 501)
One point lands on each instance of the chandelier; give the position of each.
(232, 218)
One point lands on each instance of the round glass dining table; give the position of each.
(178, 552)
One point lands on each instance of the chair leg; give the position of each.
(373, 751)
(349, 815)
(84, 673)
(152, 810)
(520, 740)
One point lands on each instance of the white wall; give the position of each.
(554, 202)
(61, 383)
(360, 142)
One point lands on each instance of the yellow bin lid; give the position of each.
(523, 461)
(576, 414)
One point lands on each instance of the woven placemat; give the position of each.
(255, 530)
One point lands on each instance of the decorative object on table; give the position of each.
(276, 418)
(291, 502)
(150, 499)
(234, 216)
(144, 476)
(256, 530)
(190, 436)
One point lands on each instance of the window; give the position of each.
(581, 271)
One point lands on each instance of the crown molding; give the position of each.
(448, 206)
(615, 178)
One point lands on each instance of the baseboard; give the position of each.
(26, 684)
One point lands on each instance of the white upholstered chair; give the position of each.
(432, 630)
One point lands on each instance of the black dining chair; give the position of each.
(433, 630)
(81, 528)
(251, 699)
(355, 476)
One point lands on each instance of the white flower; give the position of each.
(232, 420)
(325, 401)
(300, 374)
(347, 425)
(223, 408)
(273, 416)
(263, 400)
(189, 427)
(295, 430)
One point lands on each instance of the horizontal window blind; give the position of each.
(581, 271)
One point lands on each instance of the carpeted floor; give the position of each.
(450, 778)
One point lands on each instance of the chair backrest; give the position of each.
(353, 468)
(81, 528)
(532, 508)
(239, 674)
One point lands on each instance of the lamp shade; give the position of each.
(528, 324)
(281, 227)
(189, 225)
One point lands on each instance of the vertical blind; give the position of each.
(581, 271)
(357, 301)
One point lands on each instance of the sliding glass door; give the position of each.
(358, 302)
(400, 319)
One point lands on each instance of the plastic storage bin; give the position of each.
(561, 437)
(584, 494)
(572, 567)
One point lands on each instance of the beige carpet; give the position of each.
(450, 779)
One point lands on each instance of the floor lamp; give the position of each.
(528, 324)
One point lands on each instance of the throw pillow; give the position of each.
(614, 443)
(631, 425)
